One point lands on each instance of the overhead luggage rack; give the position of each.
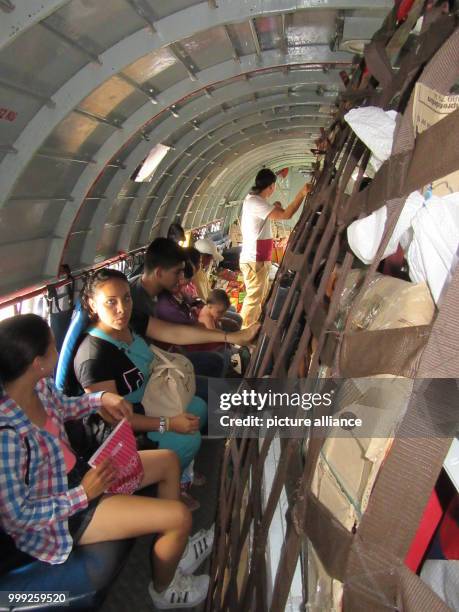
(309, 331)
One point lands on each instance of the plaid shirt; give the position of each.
(35, 515)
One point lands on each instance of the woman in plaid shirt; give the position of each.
(50, 500)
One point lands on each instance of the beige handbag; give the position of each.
(171, 386)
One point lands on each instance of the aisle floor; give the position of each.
(130, 589)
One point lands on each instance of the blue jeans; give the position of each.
(185, 445)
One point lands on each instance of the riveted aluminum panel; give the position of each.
(268, 32)
(103, 180)
(167, 78)
(164, 9)
(78, 134)
(107, 246)
(135, 235)
(24, 220)
(310, 27)
(47, 178)
(128, 148)
(85, 215)
(16, 110)
(208, 48)
(159, 70)
(241, 36)
(151, 65)
(21, 264)
(73, 248)
(207, 113)
(146, 208)
(40, 60)
(114, 99)
(118, 212)
(105, 23)
(180, 131)
(131, 188)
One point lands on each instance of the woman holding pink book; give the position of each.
(51, 501)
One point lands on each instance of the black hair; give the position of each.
(163, 253)
(264, 179)
(193, 255)
(219, 296)
(22, 338)
(93, 281)
(176, 232)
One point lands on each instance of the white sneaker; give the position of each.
(183, 592)
(198, 548)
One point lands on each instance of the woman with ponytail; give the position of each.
(257, 242)
(51, 501)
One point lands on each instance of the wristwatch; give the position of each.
(162, 425)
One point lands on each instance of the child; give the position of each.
(213, 312)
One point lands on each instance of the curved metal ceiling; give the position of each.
(90, 87)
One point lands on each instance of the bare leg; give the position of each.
(123, 516)
(163, 467)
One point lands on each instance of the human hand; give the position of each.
(114, 408)
(244, 336)
(305, 189)
(184, 423)
(99, 479)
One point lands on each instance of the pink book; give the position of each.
(121, 448)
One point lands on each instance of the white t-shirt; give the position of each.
(254, 225)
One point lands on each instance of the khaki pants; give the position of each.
(256, 280)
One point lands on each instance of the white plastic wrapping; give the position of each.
(428, 231)
(432, 251)
(364, 235)
(375, 128)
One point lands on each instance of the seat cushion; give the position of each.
(86, 575)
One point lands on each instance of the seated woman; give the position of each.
(187, 290)
(51, 501)
(113, 358)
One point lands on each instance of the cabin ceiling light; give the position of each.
(154, 158)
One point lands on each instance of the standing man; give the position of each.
(257, 241)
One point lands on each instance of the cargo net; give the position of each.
(328, 317)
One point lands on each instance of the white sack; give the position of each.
(432, 252)
(375, 128)
(364, 235)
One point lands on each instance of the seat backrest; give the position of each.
(65, 376)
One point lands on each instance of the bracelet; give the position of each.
(226, 337)
(168, 424)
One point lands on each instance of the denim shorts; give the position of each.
(78, 522)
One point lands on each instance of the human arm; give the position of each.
(192, 334)
(19, 510)
(278, 213)
(183, 423)
(111, 406)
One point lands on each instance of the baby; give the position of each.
(211, 314)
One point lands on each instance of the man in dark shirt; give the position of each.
(163, 270)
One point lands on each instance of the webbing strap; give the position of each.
(385, 351)
(411, 467)
(414, 595)
(402, 174)
(378, 62)
(330, 539)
